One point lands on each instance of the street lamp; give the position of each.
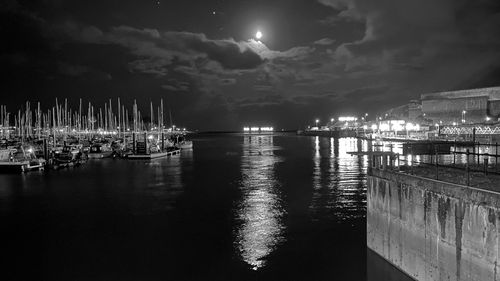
(317, 121)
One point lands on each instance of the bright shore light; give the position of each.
(384, 127)
(348, 119)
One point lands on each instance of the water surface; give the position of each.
(236, 207)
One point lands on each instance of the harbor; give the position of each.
(250, 140)
(60, 137)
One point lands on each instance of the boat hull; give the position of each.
(153, 155)
(186, 145)
(100, 155)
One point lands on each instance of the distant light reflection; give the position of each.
(338, 180)
(260, 210)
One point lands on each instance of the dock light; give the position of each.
(246, 129)
(317, 121)
(374, 127)
(454, 123)
(385, 127)
(417, 127)
(348, 119)
(397, 127)
(331, 120)
(488, 118)
(410, 127)
(254, 129)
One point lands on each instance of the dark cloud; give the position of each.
(412, 30)
(81, 71)
(184, 45)
(176, 86)
(324, 41)
(228, 81)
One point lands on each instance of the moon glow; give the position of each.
(258, 35)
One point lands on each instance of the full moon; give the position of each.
(258, 35)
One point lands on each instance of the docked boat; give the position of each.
(152, 151)
(20, 160)
(182, 143)
(99, 150)
(67, 157)
(185, 144)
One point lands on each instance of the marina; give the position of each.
(61, 137)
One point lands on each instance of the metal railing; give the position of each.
(463, 163)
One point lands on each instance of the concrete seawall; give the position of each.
(433, 230)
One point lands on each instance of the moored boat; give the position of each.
(67, 157)
(20, 160)
(100, 150)
(181, 142)
(152, 151)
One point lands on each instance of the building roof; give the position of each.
(492, 93)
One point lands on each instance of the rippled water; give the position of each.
(236, 207)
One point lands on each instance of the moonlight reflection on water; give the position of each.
(260, 209)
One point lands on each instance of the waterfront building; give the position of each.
(462, 107)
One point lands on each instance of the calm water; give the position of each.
(234, 208)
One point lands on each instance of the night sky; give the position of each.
(316, 59)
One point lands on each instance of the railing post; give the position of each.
(454, 152)
(478, 154)
(437, 162)
(496, 156)
(467, 168)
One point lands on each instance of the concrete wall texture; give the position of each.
(433, 230)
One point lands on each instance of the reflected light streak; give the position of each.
(338, 186)
(260, 209)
